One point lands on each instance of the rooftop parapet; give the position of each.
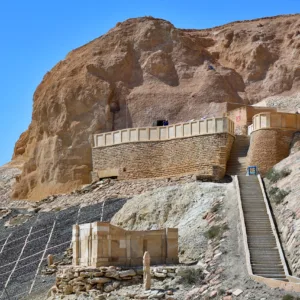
(180, 130)
(276, 120)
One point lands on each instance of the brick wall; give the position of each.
(268, 147)
(204, 155)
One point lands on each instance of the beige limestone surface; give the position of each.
(142, 70)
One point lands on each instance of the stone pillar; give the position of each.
(50, 260)
(146, 269)
(76, 244)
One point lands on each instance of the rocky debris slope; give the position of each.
(107, 189)
(177, 206)
(285, 101)
(142, 70)
(8, 176)
(283, 189)
(212, 272)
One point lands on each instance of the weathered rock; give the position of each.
(67, 290)
(213, 294)
(146, 63)
(112, 274)
(101, 280)
(237, 292)
(127, 273)
(160, 275)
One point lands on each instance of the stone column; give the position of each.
(76, 244)
(146, 269)
(50, 260)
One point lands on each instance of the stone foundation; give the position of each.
(71, 280)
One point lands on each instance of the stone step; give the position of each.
(265, 258)
(261, 246)
(271, 261)
(258, 267)
(274, 276)
(252, 200)
(259, 231)
(269, 271)
(262, 252)
(262, 220)
(253, 204)
(258, 228)
(245, 180)
(256, 225)
(263, 226)
(261, 239)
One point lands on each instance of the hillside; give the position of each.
(142, 70)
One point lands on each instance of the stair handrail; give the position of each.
(278, 244)
(243, 225)
(294, 283)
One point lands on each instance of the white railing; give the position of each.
(250, 129)
(144, 134)
(276, 120)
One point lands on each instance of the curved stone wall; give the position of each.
(284, 121)
(205, 155)
(268, 147)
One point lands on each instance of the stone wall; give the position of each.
(102, 244)
(268, 147)
(71, 280)
(205, 155)
(284, 121)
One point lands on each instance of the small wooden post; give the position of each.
(50, 260)
(146, 270)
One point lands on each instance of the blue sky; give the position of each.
(35, 35)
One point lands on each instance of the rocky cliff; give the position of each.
(142, 70)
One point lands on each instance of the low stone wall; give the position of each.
(204, 155)
(71, 280)
(268, 147)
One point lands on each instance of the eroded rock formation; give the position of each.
(142, 70)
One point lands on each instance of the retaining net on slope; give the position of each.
(24, 249)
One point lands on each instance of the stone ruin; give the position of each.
(102, 244)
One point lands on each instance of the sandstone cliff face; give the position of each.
(142, 70)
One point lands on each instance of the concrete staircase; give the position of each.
(264, 255)
(236, 164)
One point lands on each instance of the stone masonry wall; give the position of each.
(204, 155)
(268, 147)
(71, 280)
